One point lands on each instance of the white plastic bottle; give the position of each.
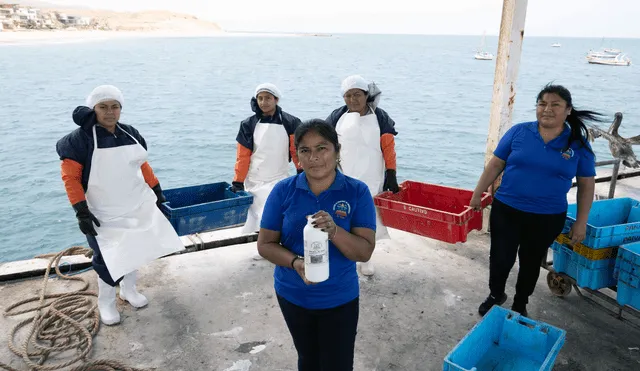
(316, 253)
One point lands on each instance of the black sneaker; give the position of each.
(520, 308)
(490, 302)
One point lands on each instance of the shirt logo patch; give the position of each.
(342, 209)
(568, 154)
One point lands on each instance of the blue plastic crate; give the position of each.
(629, 258)
(205, 207)
(611, 222)
(628, 275)
(628, 292)
(593, 274)
(506, 341)
(572, 256)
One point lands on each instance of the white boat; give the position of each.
(556, 45)
(612, 51)
(617, 60)
(481, 54)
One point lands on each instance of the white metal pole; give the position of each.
(504, 84)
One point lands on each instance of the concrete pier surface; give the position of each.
(216, 310)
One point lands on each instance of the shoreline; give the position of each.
(29, 37)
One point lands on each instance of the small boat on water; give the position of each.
(555, 45)
(481, 54)
(608, 56)
(615, 60)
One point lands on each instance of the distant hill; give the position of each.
(151, 20)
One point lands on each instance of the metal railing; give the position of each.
(614, 175)
(613, 178)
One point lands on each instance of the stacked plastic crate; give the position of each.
(628, 274)
(592, 263)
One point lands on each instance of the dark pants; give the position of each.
(533, 233)
(324, 338)
(98, 262)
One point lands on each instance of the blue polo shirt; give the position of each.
(350, 204)
(538, 176)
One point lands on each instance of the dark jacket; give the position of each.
(248, 125)
(78, 145)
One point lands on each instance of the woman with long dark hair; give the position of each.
(539, 160)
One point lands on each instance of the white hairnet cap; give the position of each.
(269, 88)
(354, 82)
(104, 93)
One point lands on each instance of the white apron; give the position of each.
(133, 231)
(361, 156)
(269, 165)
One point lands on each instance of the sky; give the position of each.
(556, 18)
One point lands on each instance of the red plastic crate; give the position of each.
(431, 210)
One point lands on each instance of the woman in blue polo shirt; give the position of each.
(539, 160)
(322, 318)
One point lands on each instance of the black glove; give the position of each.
(86, 218)
(237, 186)
(158, 191)
(390, 181)
(299, 170)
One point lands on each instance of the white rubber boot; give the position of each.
(129, 293)
(109, 314)
(367, 268)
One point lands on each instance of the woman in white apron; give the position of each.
(265, 148)
(366, 134)
(115, 195)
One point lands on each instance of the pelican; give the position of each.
(620, 147)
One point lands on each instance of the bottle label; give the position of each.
(316, 253)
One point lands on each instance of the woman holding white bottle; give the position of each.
(322, 317)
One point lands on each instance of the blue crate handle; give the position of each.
(525, 321)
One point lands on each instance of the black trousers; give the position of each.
(532, 233)
(98, 262)
(324, 338)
